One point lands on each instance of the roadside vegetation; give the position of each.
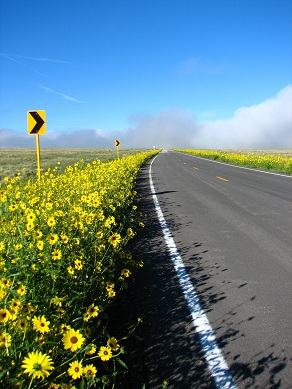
(277, 160)
(64, 260)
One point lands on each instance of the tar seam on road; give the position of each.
(215, 360)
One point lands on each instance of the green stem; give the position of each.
(30, 383)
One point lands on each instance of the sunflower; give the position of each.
(51, 221)
(99, 235)
(73, 340)
(4, 315)
(56, 255)
(100, 216)
(29, 226)
(21, 290)
(57, 301)
(111, 293)
(15, 304)
(64, 239)
(125, 273)
(78, 264)
(38, 234)
(6, 283)
(113, 344)
(92, 311)
(90, 371)
(53, 238)
(109, 286)
(75, 370)
(37, 364)
(64, 328)
(40, 324)
(40, 244)
(30, 217)
(5, 339)
(101, 248)
(130, 232)
(22, 324)
(13, 207)
(105, 353)
(92, 349)
(86, 316)
(114, 239)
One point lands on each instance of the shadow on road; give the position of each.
(171, 348)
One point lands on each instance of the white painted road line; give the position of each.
(215, 360)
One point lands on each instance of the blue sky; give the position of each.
(198, 73)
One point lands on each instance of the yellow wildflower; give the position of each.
(73, 340)
(40, 324)
(37, 365)
(75, 370)
(105, 353)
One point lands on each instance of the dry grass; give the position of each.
(15, 160)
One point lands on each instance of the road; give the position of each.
(232, 228)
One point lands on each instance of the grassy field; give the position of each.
(22, 160)
(15, 160)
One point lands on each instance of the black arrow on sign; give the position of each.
(39, 122)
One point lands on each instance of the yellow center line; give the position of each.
(196, 168)
(221, 178)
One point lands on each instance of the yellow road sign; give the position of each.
(36, 122)
(117, 142)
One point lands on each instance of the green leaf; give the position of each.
(3, 372)
(82, 384)
(122, 363)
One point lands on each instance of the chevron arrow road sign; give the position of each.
(36, 122)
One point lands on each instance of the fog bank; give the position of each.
(262, 126)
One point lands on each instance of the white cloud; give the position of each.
(63, 139)
(266, 125)
(166, 129)
(11, 138)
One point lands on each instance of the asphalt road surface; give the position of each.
(232, 228)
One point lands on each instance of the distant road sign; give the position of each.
(117, 142)
(36, 122)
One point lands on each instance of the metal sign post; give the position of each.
(38, 155)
